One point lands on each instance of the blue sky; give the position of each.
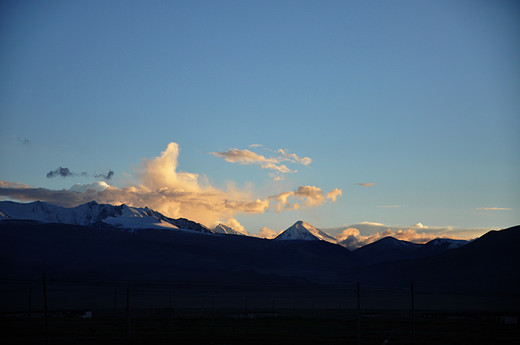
(419, 98)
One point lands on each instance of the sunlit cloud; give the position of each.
(306, 195)
(352, 239)
(294, 158)
(273, 162)
(334, 194)
(14, 185)
(235, 225)
(268, 233)
(162, 187)
(366, 184)
(357, 235)
(494, 209)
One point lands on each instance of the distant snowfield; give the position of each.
(145, 222)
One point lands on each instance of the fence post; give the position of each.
(115, 305)
(358, 314)
(128, 316)
(412, 311)
(29, 311)
(170, 304)
(213, 305)
(45, 310)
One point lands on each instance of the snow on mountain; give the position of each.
(224, 229)
(94, 214)
(303, 231)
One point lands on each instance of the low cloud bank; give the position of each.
(358, 235)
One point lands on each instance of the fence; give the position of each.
(119, 307)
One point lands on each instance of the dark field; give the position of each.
(205, 314)
(376, 327)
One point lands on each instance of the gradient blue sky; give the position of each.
(421, 98)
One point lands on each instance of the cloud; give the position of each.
(95, 186)
(390, 206)
(63, 172)
(267, 233)
(358, 235)
(310, 196)
(176, 194)
(369, 184)
(274, 162)
(334, 194)
(24, 141)
(352, 239)
(13, 185)
(494, 209)
(108, 176)
(294, 158)
(235, 225)
(66, 172)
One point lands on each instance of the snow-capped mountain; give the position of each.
(227, 230)
(303, 231)
(98, 215)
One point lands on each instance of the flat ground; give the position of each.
(263, 329)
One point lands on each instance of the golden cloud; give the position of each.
(366, 184)
(176, 194)
(248, 157)
(267, 233)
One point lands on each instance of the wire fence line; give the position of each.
(23, 295)
(119, 306)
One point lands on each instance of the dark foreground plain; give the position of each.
(163, 287)
(376, 327)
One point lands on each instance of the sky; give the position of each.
(360, 115)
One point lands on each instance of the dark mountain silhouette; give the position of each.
(392, 249)
(73, 252)
(489, 263)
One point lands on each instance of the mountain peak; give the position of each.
(224, 229)
(304, 231)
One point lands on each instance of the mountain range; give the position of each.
(105, 242)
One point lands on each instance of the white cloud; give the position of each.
(95, 186)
